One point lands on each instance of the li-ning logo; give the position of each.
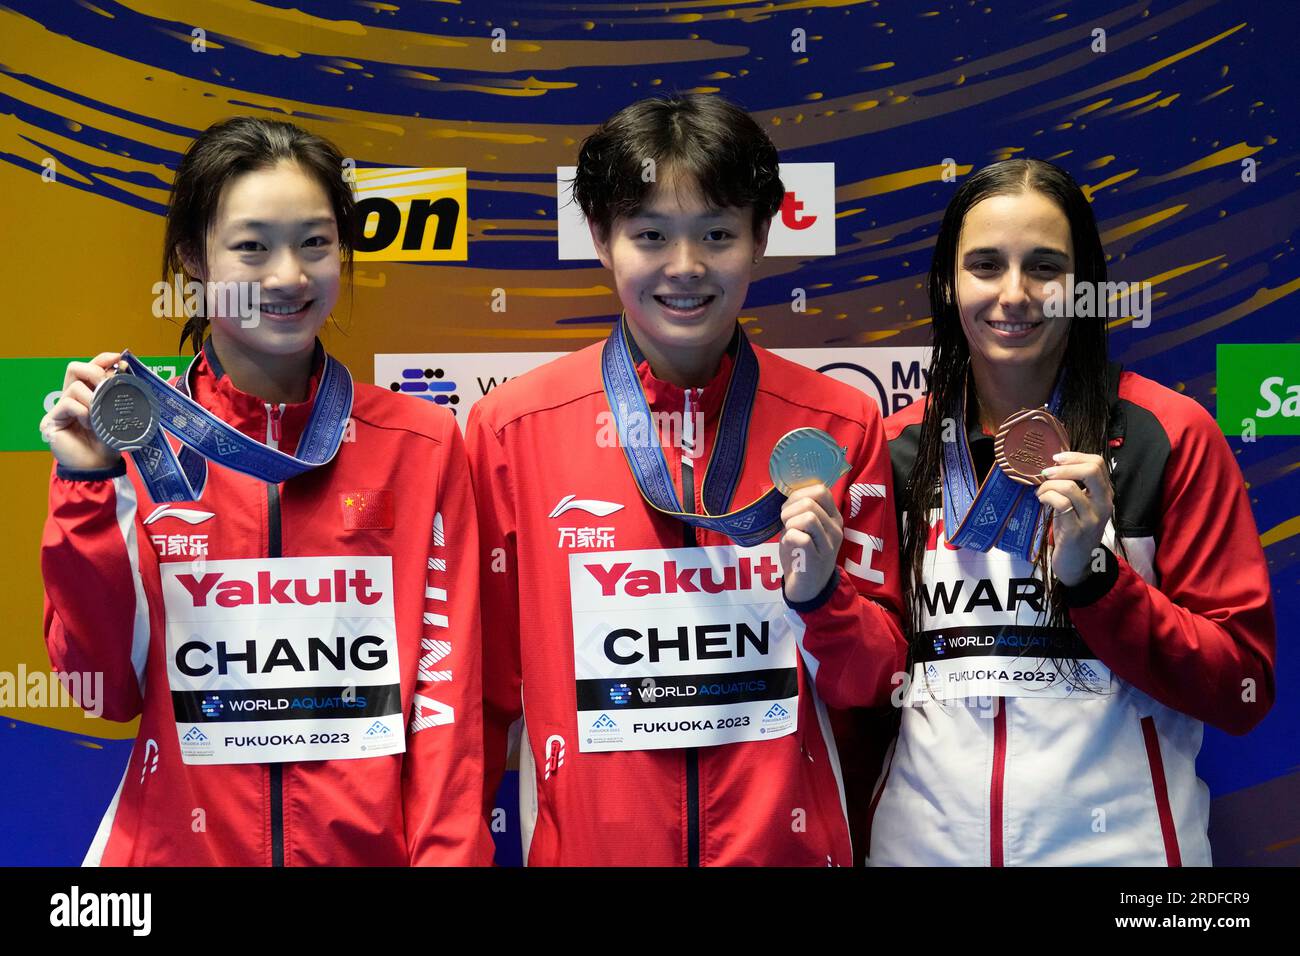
(188, 515)
(428, 385)
(590, 505)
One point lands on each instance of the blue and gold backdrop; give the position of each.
(1178, 118)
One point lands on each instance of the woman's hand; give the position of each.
(814, 531)
(1079, 513)
(67, 426)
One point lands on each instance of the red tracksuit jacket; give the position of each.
(398, 487)
(548, 489)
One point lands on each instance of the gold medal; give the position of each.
(806, 456)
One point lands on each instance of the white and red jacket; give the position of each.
(101, 554)
(547, 486)
(1184, 622)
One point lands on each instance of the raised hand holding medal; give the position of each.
(1077, 489)
(1032, 448)
(123, 412)
(804, 464)
(67, 428)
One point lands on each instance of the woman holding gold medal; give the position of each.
(1083, 579)
(285, 595)
(667, 607)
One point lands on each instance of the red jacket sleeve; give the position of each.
(853, 640)
(499, 587)
(1202, 640)
(443, 769)
(97, 617)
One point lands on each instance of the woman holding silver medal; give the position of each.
(1082, 574)
(295, 621)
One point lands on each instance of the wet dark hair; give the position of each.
(693, 136)
(1084, 398)
(228, 149)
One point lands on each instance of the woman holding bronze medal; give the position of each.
(284, 586)
(1084, 582)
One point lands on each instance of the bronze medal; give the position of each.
(1026, 443)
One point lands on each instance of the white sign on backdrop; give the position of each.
(893, 376)
(805, 225)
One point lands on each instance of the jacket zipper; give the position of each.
(692, 754)
(273, 543)
(997, 783)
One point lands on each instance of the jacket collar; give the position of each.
(212, 388)
(665, 396)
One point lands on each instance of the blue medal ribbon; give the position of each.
(1002, 513)
(206, 437)
(750, 525)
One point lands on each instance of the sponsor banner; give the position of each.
(1258, 389)
(29, 387)
(276, 659)
(894, 377)
(412, 215)
(682, 647)
(454, 380)
(804, 226)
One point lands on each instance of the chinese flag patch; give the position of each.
(367, 509)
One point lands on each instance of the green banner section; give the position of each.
(29, 387)
(1259, 389)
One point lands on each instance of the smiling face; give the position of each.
(1011, 247)
(275, 227)
(682, 270)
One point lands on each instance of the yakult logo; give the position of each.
(744, 575)
(264, 588)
